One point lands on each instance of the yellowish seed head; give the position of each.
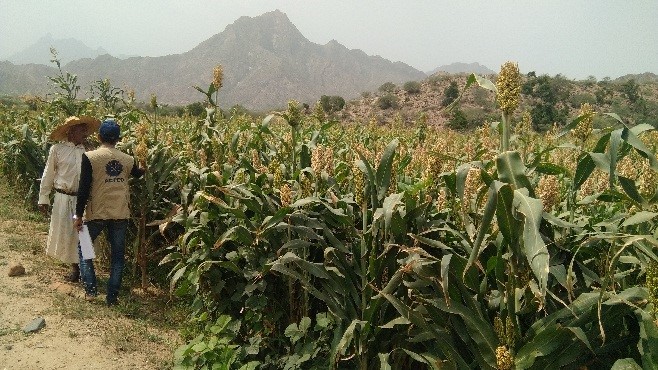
(218, 76)
(508, 85)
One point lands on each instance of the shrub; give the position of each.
(458, 120)
(387, 101)
(332, 103)
(451, 93)
(412, 87)
(387, 87)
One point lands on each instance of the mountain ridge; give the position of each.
(266, 61)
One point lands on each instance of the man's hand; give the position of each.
(77, 224)
(44, 208)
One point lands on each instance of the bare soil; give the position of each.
(140, 333)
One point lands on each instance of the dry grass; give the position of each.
(144, 324)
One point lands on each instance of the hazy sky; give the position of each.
(603, 38)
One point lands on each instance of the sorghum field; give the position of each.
(302, 242)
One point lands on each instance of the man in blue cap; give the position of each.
(103, 200)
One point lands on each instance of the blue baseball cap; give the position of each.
(109, 130)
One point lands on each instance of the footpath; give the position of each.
(69, 332)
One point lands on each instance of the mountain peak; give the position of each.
(67, 50)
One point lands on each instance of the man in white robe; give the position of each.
(62, 174)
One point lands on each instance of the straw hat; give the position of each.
(61, 132)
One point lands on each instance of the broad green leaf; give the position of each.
(384, 169)
(512, 170)
(485, 223)
(625, 364)
(542, 344)
(630, 137)
(389, 207)
(505, 212)
(601, 161)
(548, 168)
(648, 344)
(566, 129)
(383, 361)
(534, 246)
(480, 331)
(348, 335)
(639, 217)
(485, 83)
(630, 189)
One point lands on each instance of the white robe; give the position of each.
(62, 171)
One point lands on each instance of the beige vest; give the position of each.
(110, 194)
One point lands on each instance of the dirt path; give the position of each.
(138, 334)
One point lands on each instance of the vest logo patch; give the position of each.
(113, 168)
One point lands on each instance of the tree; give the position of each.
(451, 93)
(549, 93)
(458, 120)
(387, 87)
(332, 103)
(631, 91)
(196, 109)
(387, 101)
(412, 87)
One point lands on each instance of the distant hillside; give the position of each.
(25, 79)
(67, 50)
(479, 106)
(646, 77)
(456, 68)
(266, 61)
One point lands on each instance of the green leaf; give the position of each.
(479, 330)
(613, 151)
(639, 217)
(601, 161)
(505, 211)
(487, 218)
(566, 129)
(630, 189)
(548, 168)
(512, 170)
(625, 364)
(383, 361)
(485, 83)
(534, 246)
(384, 169)
(542, 344)
(630, 137)
(348, 335)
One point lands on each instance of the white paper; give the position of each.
(86, 245)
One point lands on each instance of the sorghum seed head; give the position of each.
(217, 76)
(508, 85)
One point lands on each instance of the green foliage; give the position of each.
(450, 94)
(387, 87)
(631, 91)
(387, 101)
(458, 120)
(196, 109)
(550, 96)
(412, 87)
(332, 104)
(304, 245)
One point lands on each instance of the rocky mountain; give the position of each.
(266, 62)
(25, 79)
(67, 50)
(456, 68)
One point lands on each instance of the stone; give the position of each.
(9, 347)
(16, 269)
(36, 325)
